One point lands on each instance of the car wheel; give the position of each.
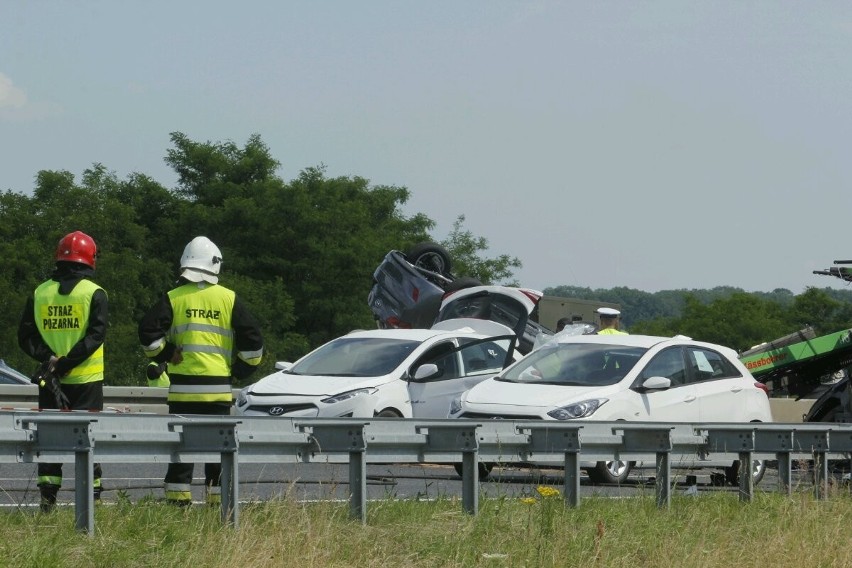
(388, 413)
(610, 471)
(484, 469)
(430, 256)
(758, 469)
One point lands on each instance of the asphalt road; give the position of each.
(314, 481)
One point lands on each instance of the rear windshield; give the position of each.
(483, 305)
(575, 364)
(356, 357)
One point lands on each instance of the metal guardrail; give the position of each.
(108, 437)
(120, 399)
(152, 399)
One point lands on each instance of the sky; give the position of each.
(654, 145)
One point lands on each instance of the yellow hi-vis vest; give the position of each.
(201, 327)
(62, 322)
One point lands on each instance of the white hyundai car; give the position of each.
(622, 377)
(410, 373)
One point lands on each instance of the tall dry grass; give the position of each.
(709, 530)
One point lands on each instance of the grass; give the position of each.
(710, 530)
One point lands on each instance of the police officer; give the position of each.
(609, 322)
(63, 326)
(207, 336)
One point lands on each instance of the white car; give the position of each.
(622, 377)
(410, 373)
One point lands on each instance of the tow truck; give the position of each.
(804, 367)
(807, 368)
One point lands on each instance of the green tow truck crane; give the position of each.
(806, 367)
(809, 368)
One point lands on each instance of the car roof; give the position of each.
(417, 334)
(646, 341)
(13, 373)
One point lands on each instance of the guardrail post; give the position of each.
(346, 437)
(779, 441)
(212, 435)
(66, 433)
(841, 439)
(644, 438)
(460, 437)
(816, 442)
(740, 440)
(559, 438)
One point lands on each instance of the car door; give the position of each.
(455, 371)
(719, 385)
(678, 403)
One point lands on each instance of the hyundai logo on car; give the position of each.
(276, 411)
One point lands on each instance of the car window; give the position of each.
(708, 365)
(667, 363)
(10, 376)
(483, 358)
(8, 380)
(445, 357)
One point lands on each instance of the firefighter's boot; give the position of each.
(48, 497)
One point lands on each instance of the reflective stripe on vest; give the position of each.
(62, 322)
(201, 327)
(200, 393)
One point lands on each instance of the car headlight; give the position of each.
(242, 397)
(347, 395)
(455, 406)
(578, 409)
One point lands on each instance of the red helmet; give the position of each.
(77, 247)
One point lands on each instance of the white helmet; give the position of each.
(201, 260)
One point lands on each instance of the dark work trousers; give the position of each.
(87, 396)
(181, 473)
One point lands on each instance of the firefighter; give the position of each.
(63, 326)
(208, 338)
(609, 322)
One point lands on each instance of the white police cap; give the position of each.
(608, 312)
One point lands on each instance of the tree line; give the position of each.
(724, 315)
(301, 253)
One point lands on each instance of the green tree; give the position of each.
(739, 321)
(465, 249)
(816, 308)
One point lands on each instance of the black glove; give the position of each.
(43, 372)
(45, 377)
(61, 366)
(240, 370)
(154, 370)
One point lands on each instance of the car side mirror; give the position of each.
(426, 371)
(655, 383)
(283, 365)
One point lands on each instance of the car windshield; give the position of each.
(356, 357)
(575, 364)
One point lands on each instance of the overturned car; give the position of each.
(417, 289)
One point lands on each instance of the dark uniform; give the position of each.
(64, 324)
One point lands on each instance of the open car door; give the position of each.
(434, 383)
